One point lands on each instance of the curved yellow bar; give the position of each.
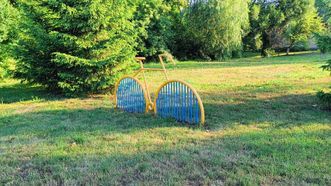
(202, 110)
(143, 89)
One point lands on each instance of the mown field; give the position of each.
(264, 126)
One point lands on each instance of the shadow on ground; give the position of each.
(104, 146)
(24, 92)
(284, 111)
(253, 157)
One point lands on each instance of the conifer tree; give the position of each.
(76, 46)
(9, 21)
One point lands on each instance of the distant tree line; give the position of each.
(84, 46)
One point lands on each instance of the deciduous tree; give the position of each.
(292, 18)
(217, 26)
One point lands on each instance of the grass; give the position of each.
(264, 127)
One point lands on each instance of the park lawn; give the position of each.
(264, 126)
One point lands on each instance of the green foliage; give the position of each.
(324, 9)
(217, 27)
(327, 66)
(324, 39)
(7, 67)
(76, 46)
(303, 27)
(324, 97)
(9, 21)
(324, 42)
(292, 20)
(157, 22)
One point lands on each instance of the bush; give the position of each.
(324, 42)
(76, 47)
(325, 99)
(327, 66)
(7, 68)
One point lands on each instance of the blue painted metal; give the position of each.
(178, 101)
(130, 96)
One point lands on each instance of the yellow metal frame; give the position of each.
(142, 86)
(194, 92)
(151, 105)
(143, 69)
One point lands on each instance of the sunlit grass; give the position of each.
(264, 126)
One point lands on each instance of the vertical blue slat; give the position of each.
(191, 107)
(181, 103)
(184, 103)
(197, 111)
(168, 97)
(162, 102)
(176, 100)
(135, 105)
(172, 99)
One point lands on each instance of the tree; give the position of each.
(9, 21)
(157, 22)
(217, 26)
(303, 27)
(324, 10)
(291, 18)
(324, 38)
(76, 47)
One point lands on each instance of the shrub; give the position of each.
(324, 42)
(7, 68)
(325, 98)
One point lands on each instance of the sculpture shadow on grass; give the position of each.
(101, 145)
(285, 111)
(250, 158)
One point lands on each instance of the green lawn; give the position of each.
(264, 126)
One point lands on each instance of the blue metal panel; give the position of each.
(178, 101)
(130, 96)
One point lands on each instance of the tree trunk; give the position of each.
(265, 45)
(288, 51)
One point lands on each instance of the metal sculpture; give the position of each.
(131, 95)
(179, 100)
(173, 99)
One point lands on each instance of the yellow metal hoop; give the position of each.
(202, 110)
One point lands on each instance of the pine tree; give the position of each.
(9, 21)
(76, 46)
